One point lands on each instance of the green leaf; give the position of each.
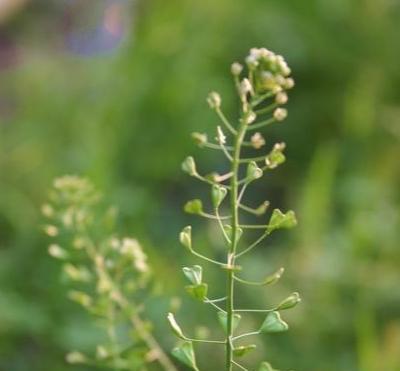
(274, 323)
(290, 302)
(185, 353)
(228, 231)
(218, 193)
(175, 327)
(189, 166)
(185, 237)
(276, 156)
(194, 274)
(199, 292)
(280, 220)
(223, 320)
(194, 207)
(243, 350)
(253, 171)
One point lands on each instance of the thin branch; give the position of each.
(239, 365)
(252, 226)
(210, 216)
(205, 341)
(226, 153)
(204, 179)
(228, 240)
(215, 146)
(216, 300)
(253, 245)
(255, 159)
(261, 98)
(207, 259)
(254, 310)
(267, 109)
(261, 124)
(241, 193)
(246, 334)
(225, 121)
(212, 303)
(251, 210)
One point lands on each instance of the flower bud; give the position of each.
(214, 100)
(57, 252)
(51, 230)
(221, 138)
(249, 117)
(75, 358)
(245, 87)
(281, 98)
(47, 210)
(288, 84)
(280, 114)
(251, 62)
(189, 166)
(236, 69)
(185, 237)
(200, 138)
(257, 140)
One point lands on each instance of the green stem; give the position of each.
(234, 239)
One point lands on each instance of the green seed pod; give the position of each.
(223, 320)
(253, 172)
(175, 327)
(185, 353)
(194, 207)
(218, 193)
(243, 350)
(185, 237)
(276, 156)
(228, 231)
(194, 274)
(189, 166)
(280, 220)
(290, 302)
(274, 323)
(199, 291)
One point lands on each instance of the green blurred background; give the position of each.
(112, 90)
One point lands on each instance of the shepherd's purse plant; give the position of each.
(262, 93)
(108, 276)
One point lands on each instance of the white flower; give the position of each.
(236, 69)
(214, 100)
(280, 114)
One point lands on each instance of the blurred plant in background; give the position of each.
(123, 118)
(109, 276)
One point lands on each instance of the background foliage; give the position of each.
(112, 89)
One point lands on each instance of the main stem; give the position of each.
(232, 248)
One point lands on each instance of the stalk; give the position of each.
(232, 249)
